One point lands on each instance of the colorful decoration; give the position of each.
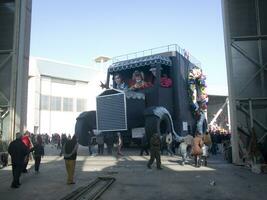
(198, 96)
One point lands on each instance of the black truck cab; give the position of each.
(155, 108)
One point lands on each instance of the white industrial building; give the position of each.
(58, 92)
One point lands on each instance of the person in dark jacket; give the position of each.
(38, 152)
(154, 151)
(100, 143)
(70, 155)
(90, 142)
(214, 143)
(144, 145)
(109, 140)
(18, 151)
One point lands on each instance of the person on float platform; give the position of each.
(138, 81)
(165, 81)
(119, 82)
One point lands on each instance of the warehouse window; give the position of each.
(63, 81)
(81, 105)
(45, 102)
(67, 104)
(56, 103)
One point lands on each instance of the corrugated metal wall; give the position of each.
(245, 29)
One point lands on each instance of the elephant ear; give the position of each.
(85, 123)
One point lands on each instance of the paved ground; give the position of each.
(135, 181)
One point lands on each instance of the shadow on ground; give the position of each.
(134, 181)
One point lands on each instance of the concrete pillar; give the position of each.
(20, 63)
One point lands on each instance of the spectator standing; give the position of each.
(38, 153)
(100, 143)
(197, 148)
(64, 139)
(219, 136)
(207, 140)
(17, 151)
(58, 141)
(154, 151)
(109, 140)
(144, 145)
(90, 142)
(27, 142)
(214, 143)
(70, 155)
(119, 144)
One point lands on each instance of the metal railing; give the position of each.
(157, 50)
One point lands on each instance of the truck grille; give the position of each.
(111, 112)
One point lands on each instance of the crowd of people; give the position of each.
(29, 145)
(97, 142)
(20, 150)
(220, 139)
(214, 141)
(197, 147)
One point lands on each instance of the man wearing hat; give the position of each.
(17, 151)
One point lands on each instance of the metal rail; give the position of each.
(157, 50)
(92, 191)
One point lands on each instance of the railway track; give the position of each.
(92, 191)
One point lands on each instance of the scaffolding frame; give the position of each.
(245, 103)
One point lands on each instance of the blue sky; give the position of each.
(78, 31)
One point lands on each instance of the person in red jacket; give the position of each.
(165, 81)
(27, 142)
